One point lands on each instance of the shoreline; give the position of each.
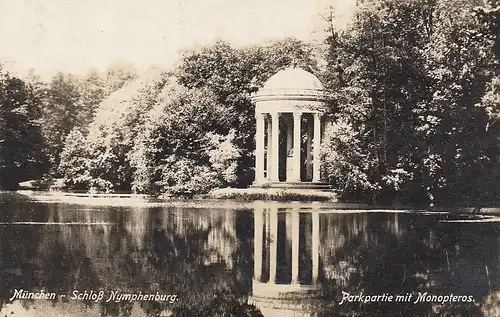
(205, 201)
(211, 201)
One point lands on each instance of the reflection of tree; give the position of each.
(182, 264)
(225, 304)
(169, 251)
(243, 254)
(379, 253)
(205, 257)
(491, 306)
(18, 247)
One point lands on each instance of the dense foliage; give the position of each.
(21, 143)
(69, 101)
(415, 91)
(181, 132)
(37, 117)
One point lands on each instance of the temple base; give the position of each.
(294, 185)
(283, 290)
(275, 300)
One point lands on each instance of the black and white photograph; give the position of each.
(265, 158)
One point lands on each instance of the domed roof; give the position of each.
(293, 79)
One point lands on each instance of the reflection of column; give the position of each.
(258, 240)
(269, 147)
(288, 238)
(178, 221)
(296, 146)
(259, 148)
(267, 237)
(273, 248)
(275, 148)
(315, 246)
(316, 149)
(295, 246)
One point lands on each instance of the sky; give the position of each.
(78, 35)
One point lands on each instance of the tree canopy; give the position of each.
(21, 144)
(413, 112)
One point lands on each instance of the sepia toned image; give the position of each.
(217, 158)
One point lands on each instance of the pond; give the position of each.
(86, 259)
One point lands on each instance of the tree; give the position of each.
(453, 123)
(409, 77)
(232, 75)
(71, 101)
(189, 130)
(119, 121)
(75, 162)
(60, 113)
(375, 70)
(21, 144)
(176, 154)
(117, 75)
(93, 91)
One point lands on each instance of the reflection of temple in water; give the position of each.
(289, 259)
(297, 250)
(286, 260)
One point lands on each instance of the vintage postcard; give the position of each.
(249, 158)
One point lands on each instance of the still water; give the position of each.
(259, 260)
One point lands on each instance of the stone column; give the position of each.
(290, 165)
(295, 246)
(309, 164)
(275, 147)
(258, 240)
(315, 246)
(296, 146)
(316, 147)
(269, 147)
(273, 247)
(289, 136)
(259, 148)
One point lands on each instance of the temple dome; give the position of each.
(293, 79)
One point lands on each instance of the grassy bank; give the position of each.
(273, 194)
